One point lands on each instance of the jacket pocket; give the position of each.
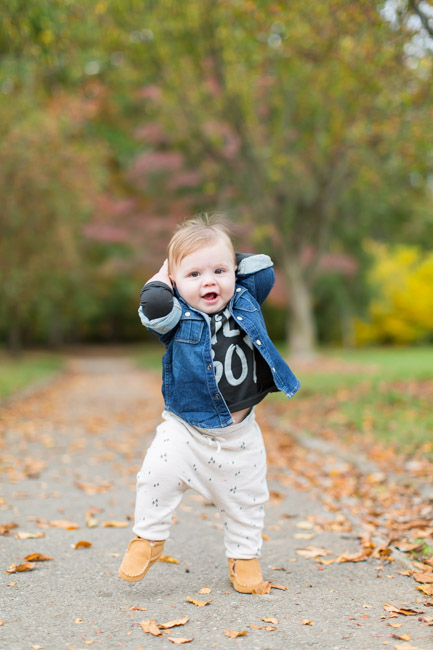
(189, 331)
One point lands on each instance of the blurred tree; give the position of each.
(305, 118)
(47, 186)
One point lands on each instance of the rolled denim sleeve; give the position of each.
(256, 273)
(163, 324)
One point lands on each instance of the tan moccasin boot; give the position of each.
(139, 557)
(246, 576)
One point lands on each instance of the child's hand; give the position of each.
(162, 275)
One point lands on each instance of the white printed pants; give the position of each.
(227, 466)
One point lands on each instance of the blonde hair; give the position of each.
(195, 233)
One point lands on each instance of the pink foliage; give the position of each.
(153, 133)
(344, 264)
(156, 162)
(106, 233)
(150, 92)
(184, 179)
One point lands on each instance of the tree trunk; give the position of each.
(14, 342)
(301, 330)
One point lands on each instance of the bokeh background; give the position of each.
(308, 123)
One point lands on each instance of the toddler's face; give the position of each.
(206, 277)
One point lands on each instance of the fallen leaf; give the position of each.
(234, 635)
(427, 589)
(37, 557)
(151, 627)
(180, 621)
(19, 568)
(12, 584)
(265, 537)
(64, 524)
(6, 528)
(402, 637)
(2, 623)
(78, 621)
(270, 619)
(204, 590)
(394, 624)
(169, 559)
(179, 640)
(305, 525)
(305, 621)
(256, 627)
(115, 524)
(407, 646)
(423, 577)
(137, 609)
(82, 544)
(405, 611)
(282, 587)
(92, 489)
(198, 603)
(23, 535)
(312, 551)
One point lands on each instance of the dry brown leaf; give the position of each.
(401, 637)
(19, 568)
(179, 621)
(6, 528)
(204, 590)
(2, 623)
(82, 544)
(151, 627)
(64, 524)
(405, 611)
(423, 577)
(270, 619)
(137, 609)
(407, 646)
(256, 627)
(23, 535)
(169, 559)
(115, 524)
(92, 489)
(265, 537)
(305, 621)
(394, 624)
(427, 589)
(178, 641)
(37, 557)
(270, 628)
(232, 634)
(312, 551)
(353, 557)
(198, 603)
(282, 587)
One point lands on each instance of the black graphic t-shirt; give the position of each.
(242, 375)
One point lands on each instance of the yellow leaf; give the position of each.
(312, 551)
(198, 603)
(179, 640)
(150, 627)
(270, 619)
(64, 524)
(19, 568)
(137, 609)
(427, 589)
(23, 535)
(282, 587)
(234, 635)
(115, 524)
(204, 590)
(37, 557)
(305, 621)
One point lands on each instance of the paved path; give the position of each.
(71, 452)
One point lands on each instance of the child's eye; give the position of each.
(219, 271)
(194, 274)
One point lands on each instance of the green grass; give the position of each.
(16, 374)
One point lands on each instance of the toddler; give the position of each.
(204, 305)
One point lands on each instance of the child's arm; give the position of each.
(159, 310)
(255, 273)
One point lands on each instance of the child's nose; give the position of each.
(209, 279)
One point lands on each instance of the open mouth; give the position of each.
(210, 297)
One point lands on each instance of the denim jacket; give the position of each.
(189, 385)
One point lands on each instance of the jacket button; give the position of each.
(258, 342)
(238, 289)
(217, 396)
(209, 367)
(187, 313)
(239, 318)
(273, 370)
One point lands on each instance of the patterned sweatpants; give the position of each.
(227, 466)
